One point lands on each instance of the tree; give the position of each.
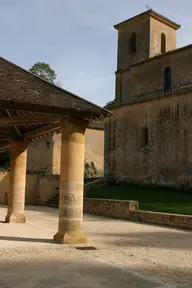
(44, 71)
(109, 104)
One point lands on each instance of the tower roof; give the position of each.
(149, 13)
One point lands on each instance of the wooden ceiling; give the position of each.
(25, 125)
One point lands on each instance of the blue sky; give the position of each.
(76, 37)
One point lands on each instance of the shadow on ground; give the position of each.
(123, 240)
(69, 272)
(25, 239)
(164, 239)
(43, 209)
(181, 276)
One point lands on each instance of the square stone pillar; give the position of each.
(71, 183)
(16, 194)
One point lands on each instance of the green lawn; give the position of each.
(152, 199)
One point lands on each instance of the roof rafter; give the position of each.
(5, 137)
(11, 131)
(51, 110)
(42, 131)
(4, 146)
(52, 128)
(16, 128)
(27, 120)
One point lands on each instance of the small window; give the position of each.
(163, 43)
(48, 145)
(133, 41)
(144, 137)
(167, 79)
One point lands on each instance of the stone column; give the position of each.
(71, 183)
(16, 194)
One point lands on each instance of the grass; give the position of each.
(152, 199)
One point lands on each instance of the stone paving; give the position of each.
(128, 254)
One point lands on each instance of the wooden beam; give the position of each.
(10, 131)
(67, 111)
(42, 131)
(5, 137)
(27, 120)
(50, 128)
(4, 146)
(16, 128)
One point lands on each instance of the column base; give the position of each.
(15, 218)
(70, 237)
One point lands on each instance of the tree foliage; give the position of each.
(110, 103)
(44, 71)
(90, 170)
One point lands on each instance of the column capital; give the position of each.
(20, 145)
(74, 124)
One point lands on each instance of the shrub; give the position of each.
(90, 170)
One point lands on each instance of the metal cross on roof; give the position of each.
(147, 7)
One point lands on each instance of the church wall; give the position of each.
(141, 28)
(156, 28)
(148, 78)
(167, 158)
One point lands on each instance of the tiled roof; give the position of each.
(20, 86)
(152, 14)
(27, 98)
(150, 98)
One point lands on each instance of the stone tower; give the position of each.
(140, 38)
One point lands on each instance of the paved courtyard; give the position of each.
(128, 254)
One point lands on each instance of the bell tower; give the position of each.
(141, 37)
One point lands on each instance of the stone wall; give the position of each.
(167, 157)
(156, 28)
(44, 154)
(32, 183)
(48, 186)
(4, 184)
(39, 188)
(148, 78)
(148, 34)
(129, 210)
(40, 155)
(113, 208)
(165, 219)
(141, 28)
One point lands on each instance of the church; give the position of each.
(148, 138)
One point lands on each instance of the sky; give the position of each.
(77, 38)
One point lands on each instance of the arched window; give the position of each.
(163, 43)
(48, 145)
(133, 43)
(167, 79)
(144, 137)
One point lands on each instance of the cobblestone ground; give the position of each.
(128, 254)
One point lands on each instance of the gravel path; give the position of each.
(128, 254)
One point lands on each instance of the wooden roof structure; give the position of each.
(31, 108)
